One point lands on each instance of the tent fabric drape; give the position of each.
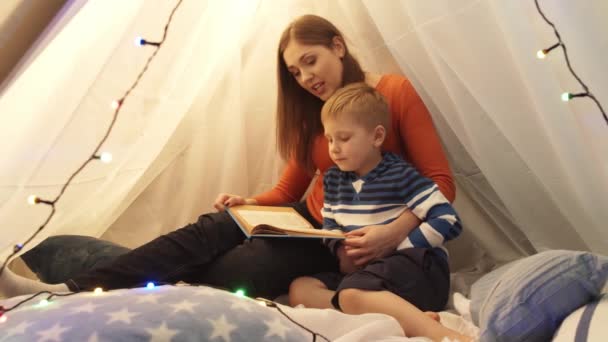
(531, 170)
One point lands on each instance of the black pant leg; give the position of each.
(265, 267)
(168, 258)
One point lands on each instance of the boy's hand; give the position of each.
(347, 264)
(229, 200)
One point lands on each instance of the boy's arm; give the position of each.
(424, 221)
(404, 224)
(440, 222)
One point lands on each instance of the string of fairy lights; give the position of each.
(106, 157)
(97, 154)
(541, 54)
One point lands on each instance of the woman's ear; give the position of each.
(379, 135)
(338, 46)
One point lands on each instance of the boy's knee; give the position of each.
(300, 289)
(349, 300)
(297, 290)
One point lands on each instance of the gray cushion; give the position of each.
(59, 258)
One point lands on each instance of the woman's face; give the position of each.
(316, 68)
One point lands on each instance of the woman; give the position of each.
(313, 61)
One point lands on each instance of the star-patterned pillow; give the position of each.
(166, 313)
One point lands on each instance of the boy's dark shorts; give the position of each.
(421, 276)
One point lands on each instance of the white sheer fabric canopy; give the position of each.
(531, 170)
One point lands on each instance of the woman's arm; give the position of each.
(291, 186)
(419, 137)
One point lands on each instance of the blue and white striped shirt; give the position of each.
(382, 195)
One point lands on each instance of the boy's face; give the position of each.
(352, 146)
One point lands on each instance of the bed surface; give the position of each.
(187, 313)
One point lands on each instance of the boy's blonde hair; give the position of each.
(360, 102)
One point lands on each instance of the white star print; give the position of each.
(276, 328)
(88, 307)
(162, 333)
(204, 290)
(121, 316)
(19, 329)
(184, 305)
(242, 303)
(169, 288)
(149, 298)
(52, 304)
(52, 334)
(221, 328)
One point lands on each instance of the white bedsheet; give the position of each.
(341, 327)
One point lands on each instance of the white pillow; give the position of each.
(585, 324)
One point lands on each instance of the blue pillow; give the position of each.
(164, 313)
(59, 258)
(527, 300)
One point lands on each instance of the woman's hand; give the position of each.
(369, 243)
(229, 200)
(373, 242)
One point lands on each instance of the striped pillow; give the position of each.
(586, 324)
(528, 299)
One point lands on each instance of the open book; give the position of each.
(266, 221)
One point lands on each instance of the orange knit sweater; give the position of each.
(412, 135)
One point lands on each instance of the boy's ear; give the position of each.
(379, 135)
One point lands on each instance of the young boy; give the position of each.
(372, 188)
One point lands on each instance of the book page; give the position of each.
(277, 219)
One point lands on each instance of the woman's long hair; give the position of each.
(298, 111)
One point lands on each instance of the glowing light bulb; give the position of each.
(150, 285)
(240, 293)
(43, 303)
(3, 318)
(566, 97)
(17, 247)
(115, 104)
(541, 54)
(139, 41)
(98, 291)
(106, 157)
(33, 199)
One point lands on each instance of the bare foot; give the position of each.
(460, 338)
(433, 315)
